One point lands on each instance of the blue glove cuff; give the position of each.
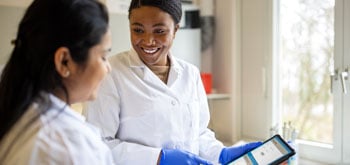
(223, 156)
(162, 157)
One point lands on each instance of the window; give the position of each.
(290, 49)
(312, 76)
(306, 59)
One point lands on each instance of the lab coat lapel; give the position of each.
(144, 72)
(150, 78)
(175, 71)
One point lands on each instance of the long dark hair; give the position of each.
(46, 26)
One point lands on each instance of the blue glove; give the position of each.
(231, 153)
(180, 157)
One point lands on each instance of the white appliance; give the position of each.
(187, 42)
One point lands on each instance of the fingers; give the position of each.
(252, 145)
(202, 161)
(198, 160)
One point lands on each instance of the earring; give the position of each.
(66, 74)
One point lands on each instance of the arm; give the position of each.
(210, 147)
(104, 113)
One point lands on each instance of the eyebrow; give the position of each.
(155, 25)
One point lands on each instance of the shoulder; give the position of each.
(68, 128)
(185, 66)
(68, 139)
(119, 57)
(53, 139)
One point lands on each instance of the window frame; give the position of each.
(265, 97)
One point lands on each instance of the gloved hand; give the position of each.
(231, 153)
(180, 157)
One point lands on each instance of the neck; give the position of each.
(61, 95)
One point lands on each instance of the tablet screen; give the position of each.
(272, 151)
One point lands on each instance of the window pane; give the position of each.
(306, 59)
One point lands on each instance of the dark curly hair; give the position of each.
(172, 7)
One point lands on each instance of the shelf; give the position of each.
(217, 96)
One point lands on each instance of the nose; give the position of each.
(149, 40)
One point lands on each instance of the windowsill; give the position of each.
(301, 161)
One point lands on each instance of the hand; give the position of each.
(231, 153)
(180, 157)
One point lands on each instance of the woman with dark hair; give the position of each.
(152, 108)
(59, 58)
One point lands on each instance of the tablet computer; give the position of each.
(273, 152)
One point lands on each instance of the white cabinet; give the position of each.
(221, 117)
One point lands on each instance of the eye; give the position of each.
(159, 31)
(106, 54)
(138, 30)
(104, 57)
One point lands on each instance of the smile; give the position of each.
(150, 51)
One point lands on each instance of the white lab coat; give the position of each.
(138, 114)
(59, 136)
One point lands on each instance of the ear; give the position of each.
(177, 26)
(62, 59)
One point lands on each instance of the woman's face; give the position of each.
(152, 33)
(84, 82)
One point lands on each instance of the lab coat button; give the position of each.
(173, 102)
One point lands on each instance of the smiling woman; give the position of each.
(151, 37)
(153, 104)
(152, 34)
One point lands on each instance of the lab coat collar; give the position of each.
(59, 104)
(174, 72)
(134, 60)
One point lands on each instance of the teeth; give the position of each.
(150, 51)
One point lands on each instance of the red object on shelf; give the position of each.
(207, 82)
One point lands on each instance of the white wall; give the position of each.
(10, 17)
(15, 3)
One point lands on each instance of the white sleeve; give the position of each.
(209, 146)
(104, 114)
